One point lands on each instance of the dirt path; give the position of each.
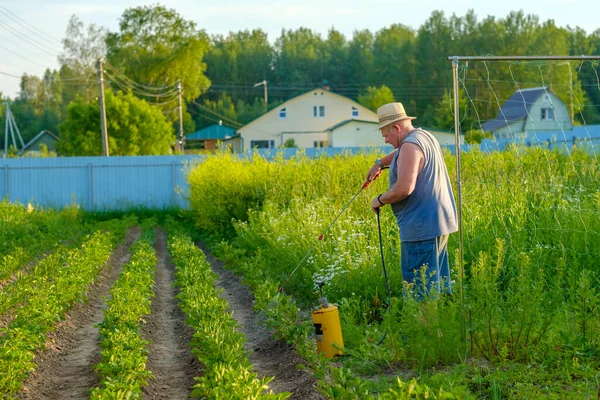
(65, 370)
(169, 357)
(269, 356)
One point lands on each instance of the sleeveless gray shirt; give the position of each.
(429, 211)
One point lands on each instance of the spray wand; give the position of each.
(322, 235)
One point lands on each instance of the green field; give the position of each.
(523, 322)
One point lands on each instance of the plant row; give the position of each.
(286, 321)
(122, 369)
(227, 372)
(26, 283)
(28, 233)
(46, 300)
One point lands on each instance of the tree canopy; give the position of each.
(155, 47)
(134, 128)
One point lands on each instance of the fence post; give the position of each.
(6, 194)
(91, 186)
(173, 197)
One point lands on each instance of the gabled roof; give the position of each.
(36, 137)
(515, 109)
(348, 121)
(212, 132)
(287, 102)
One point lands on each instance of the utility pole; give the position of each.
(102, 109)
(181, 138)
(264, 83)
(11, 126)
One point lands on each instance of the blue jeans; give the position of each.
(432, 254)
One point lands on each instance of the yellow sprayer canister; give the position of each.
(328, 331)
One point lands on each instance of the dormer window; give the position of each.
(283, 113)
(354, 112)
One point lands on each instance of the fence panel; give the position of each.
(98, 183)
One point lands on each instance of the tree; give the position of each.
(433, 73)
(82, 49)
(300, 60)
(394, 63)
(240, 58)
(337, 71)
(289, 143)
(475, 136)
(376, 97)
(157, 47)
(134, 128)
(360, 57)
(443, 114)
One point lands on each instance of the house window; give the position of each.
(547, 114)
(283, 113)
(320, 143)
(318, 111)
(262, 144)
(354, 112)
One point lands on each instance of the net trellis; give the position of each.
(529, 193)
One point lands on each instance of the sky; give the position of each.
(31, 30)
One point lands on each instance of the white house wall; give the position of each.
(445, 138)
(562, 116)
(299, 118)
(515, 131)
(304, 140)
(356, 134)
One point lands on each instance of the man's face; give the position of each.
(385, 131)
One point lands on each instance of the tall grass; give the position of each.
(531, 231)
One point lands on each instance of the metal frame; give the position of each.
(455, 63)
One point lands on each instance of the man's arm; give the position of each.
(386, 161)
(410, 164)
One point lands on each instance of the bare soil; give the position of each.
(269, 356)
(65, 369)
(169, 358)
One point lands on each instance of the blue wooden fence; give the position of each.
(119, 183)
(97, 183)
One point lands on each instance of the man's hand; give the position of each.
(375, 205)
(373, 172)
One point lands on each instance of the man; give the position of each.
(421, 198)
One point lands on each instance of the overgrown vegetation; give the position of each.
(523, 323)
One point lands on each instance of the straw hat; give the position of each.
(391, 112)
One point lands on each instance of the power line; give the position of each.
(125, 86)
(11, 75)
(23, 57)
(217, 114)
(134, 83)
(30, 41)
(27, 26)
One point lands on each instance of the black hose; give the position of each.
(387, 281)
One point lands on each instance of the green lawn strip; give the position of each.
(122, 370)
(49, 301)
(216, 343)
(26, 285)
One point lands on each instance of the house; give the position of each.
(46, 138)
(318, 118)
(207, 138)
(529, 110)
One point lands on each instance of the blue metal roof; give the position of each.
(516, 108)
(213, 132)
